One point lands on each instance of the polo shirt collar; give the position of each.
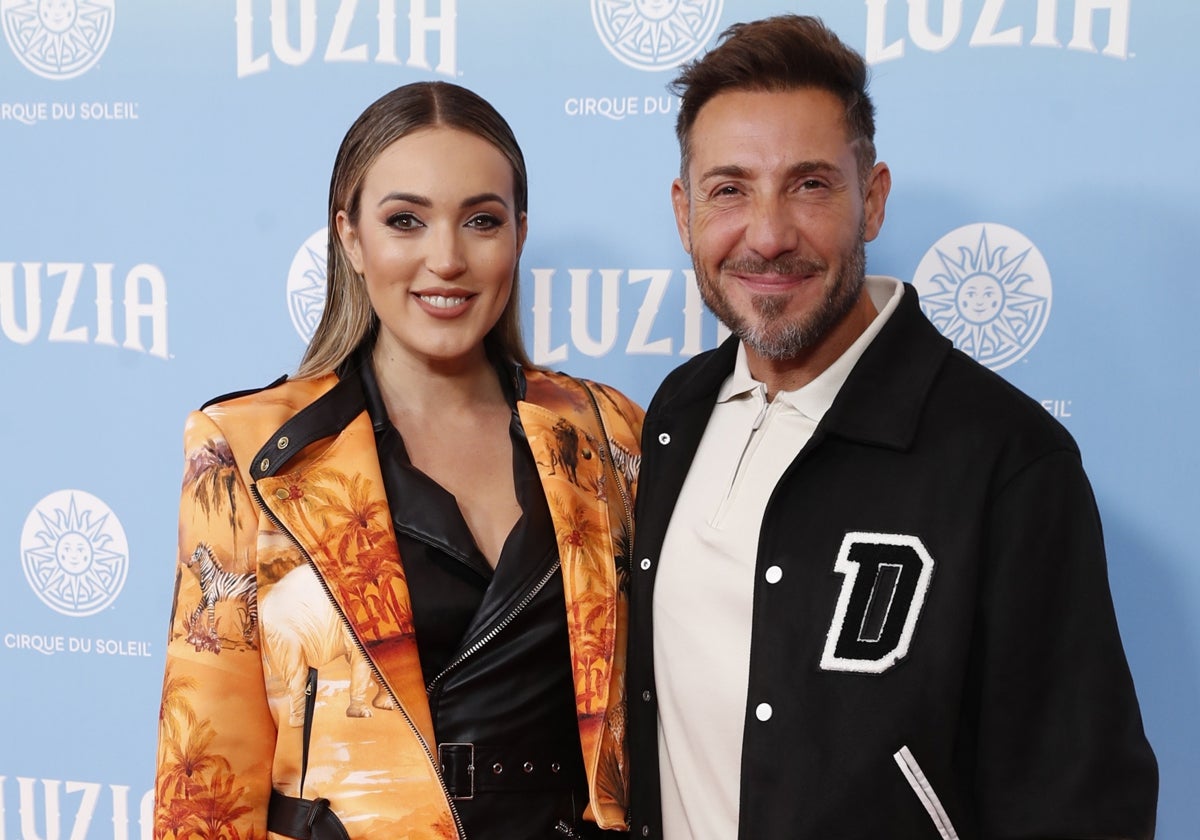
(814, 399)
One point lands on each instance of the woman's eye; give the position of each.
(403, 221)
(484, 221)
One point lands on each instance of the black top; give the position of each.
(493, 645)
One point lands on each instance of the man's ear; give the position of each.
(879, 184)
(680, 203)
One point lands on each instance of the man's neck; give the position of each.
(794, 373)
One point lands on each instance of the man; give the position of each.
(869, 588)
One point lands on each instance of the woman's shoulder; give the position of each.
(553, 389)
(250, 416)
(285, 395)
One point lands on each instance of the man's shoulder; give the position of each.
(702, 374)
(984, 401)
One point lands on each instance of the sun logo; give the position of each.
(986, 287)
(306, 285)
(58, 39)
(74, 553)
(655, 34)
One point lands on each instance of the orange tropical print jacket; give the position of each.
(299, 569)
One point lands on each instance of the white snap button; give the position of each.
(774, 574)
(763, 711)
(664, 438)
(645, 564)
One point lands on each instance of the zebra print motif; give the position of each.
(625, 461)
(216, 584)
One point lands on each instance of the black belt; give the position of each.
(303, 819)
(477, 768)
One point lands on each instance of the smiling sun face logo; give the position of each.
(655, 34)
(986, 287)
(74, 553)
(58, 39)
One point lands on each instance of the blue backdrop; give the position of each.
(165, 168)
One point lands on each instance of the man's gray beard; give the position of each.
(771, 339)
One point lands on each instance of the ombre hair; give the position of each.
(348, 319)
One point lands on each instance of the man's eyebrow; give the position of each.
(804, 167)
(812, 167)
(730, 170)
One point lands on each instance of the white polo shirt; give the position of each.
(704, 588)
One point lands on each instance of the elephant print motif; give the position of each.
(302, 630)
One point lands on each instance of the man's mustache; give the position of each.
(786, 264)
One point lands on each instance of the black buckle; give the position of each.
(319, 806)
(457, 760)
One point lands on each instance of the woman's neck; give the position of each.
(417, 387)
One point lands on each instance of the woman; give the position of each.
(400, 601)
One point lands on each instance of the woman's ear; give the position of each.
(522, 232)
(347, 234)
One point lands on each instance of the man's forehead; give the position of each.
(806, 104)
(767, 124)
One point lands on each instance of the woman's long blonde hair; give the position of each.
(348, 319)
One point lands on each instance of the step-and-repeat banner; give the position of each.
(163, 176)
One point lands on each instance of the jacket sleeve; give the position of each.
(1061, 749)
(216, 735)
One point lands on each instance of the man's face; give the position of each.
(776, 216)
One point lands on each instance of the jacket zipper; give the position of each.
(497, 627)
(462, 834)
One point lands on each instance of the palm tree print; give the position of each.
(358, 535)
(195, 794)
(211, 477)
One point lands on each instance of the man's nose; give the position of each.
(771, 230)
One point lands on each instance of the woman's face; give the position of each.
(437, 243)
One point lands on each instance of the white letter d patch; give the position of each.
(885, 578)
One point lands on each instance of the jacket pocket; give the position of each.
(924, 791)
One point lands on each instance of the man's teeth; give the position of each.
(443, 302)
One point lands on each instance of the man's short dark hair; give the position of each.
(778, 54)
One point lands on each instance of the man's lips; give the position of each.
(775, 275)
(773, 282)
